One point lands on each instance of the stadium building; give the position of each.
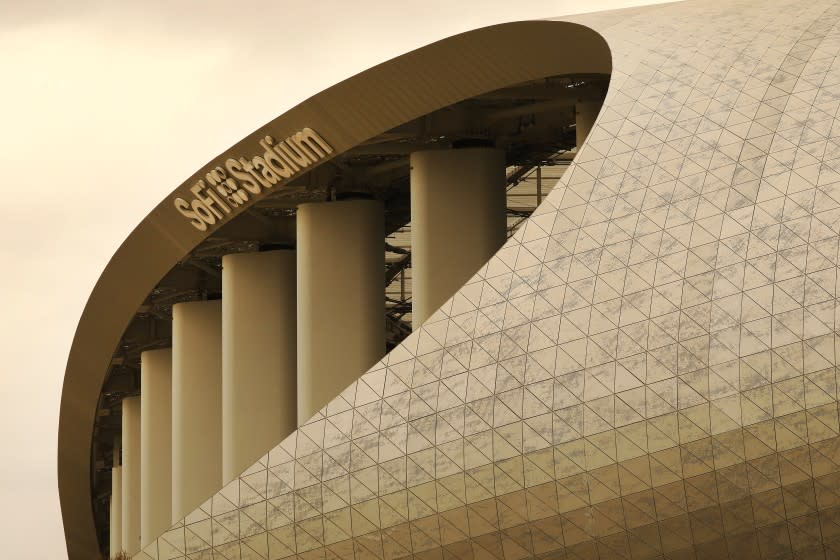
(546, 289)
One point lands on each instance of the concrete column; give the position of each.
(115, 526)
(259, 356)
(155, 444)
(457, 221)
(585, 114)
(115, 523)
(341, 307)
(131, 475)
(196, 404)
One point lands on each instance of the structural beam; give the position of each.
(196, 404)
(341, 309)
(457, 221)
(155, 444)
(259, 361)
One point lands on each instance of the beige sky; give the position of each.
(106, 107)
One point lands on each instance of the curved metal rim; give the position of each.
(346, 115)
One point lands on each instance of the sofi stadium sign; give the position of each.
(228, 187)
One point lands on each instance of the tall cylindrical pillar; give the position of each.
(585, 114)
(196, 404)
(341, 308)
(457, 221)
(131, 475)
(259, 356)
(115, 526)
(155, 444)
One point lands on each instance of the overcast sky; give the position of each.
(106, 108)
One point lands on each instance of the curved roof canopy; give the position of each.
(344, 116)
